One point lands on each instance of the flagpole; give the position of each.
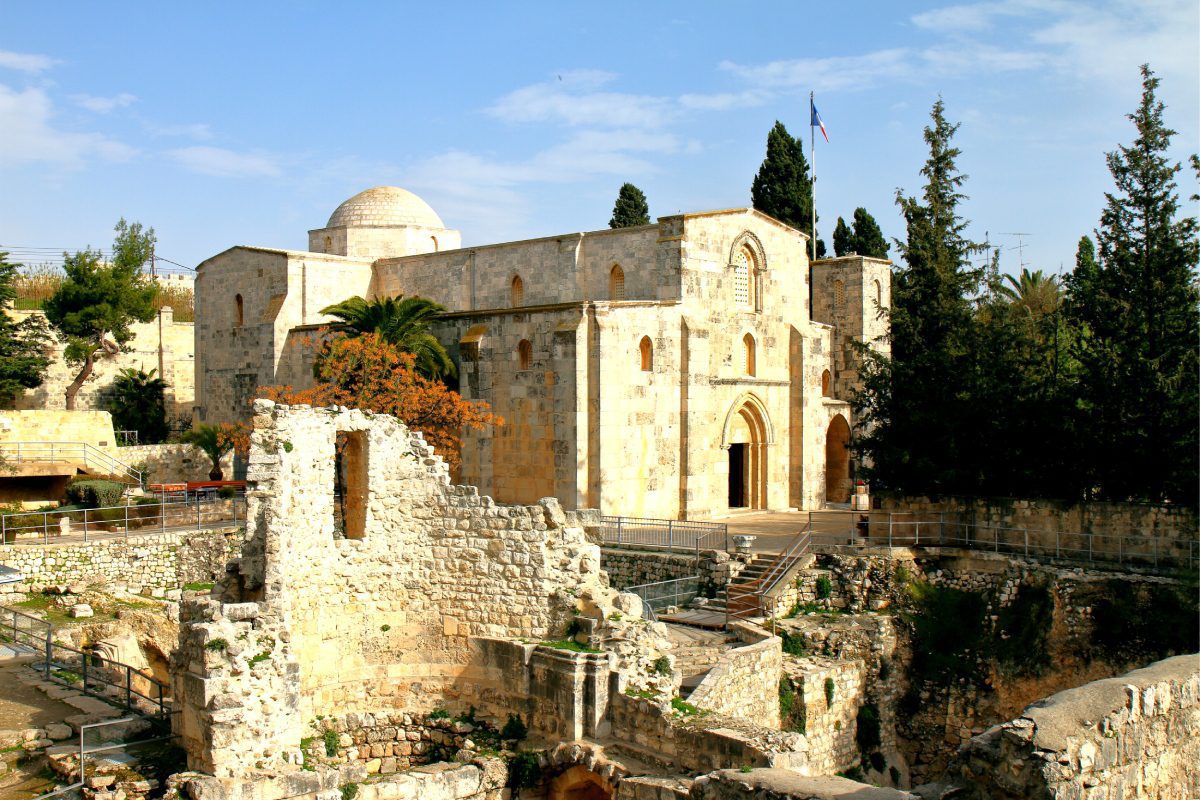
(812, 135)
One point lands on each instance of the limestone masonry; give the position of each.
(671, 370)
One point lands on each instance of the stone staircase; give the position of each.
(696, 652)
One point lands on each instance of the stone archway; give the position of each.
(837, 461)
(747, 434)
(580, 783)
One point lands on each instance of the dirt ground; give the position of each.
(22, 706)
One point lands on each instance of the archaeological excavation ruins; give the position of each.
(380, 632)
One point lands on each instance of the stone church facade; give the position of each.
(673, 370)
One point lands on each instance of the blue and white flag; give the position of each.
(817, 122)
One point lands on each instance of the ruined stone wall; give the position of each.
(382, 622)
(831, 692)
(172, 463)
(1137, 735)
(744, 683)
(162, 344)
(167, 560)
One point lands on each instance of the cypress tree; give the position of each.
(911, 422)
(630, 209)
(783, 188)
(843, 239)
(868, 238)
(1136, 305)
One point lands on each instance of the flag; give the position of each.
(817, 122)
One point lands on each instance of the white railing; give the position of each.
(113, 522)
(669, 534)
(93, 459)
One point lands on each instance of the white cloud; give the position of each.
(29, 136)
(725, 101)
(26, 62)
(103, 105)
(571, 98)
(837, 73)
(226, 163)
(197, 130)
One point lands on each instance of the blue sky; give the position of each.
(247, 123)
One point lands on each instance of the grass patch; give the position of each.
(68, 675)
(683, 707)
(216, 644)
(331, 743)
(261, 657)
(567, 644)
(645, 694)
(199, 587)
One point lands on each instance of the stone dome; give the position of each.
(385, 206)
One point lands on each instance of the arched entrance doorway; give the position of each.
(837, 461)
(747, 434)
(580, 783)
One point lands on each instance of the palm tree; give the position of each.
(1039, 294)
(400, 321)
(214, 442)
(137, 403)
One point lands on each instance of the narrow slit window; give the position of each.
(748, 356)
(647, 349)
(518, 291)
(525, 353)
(826, 381)
(350, 485)
(238, 310)
(616, 283)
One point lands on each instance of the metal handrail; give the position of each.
(81, 660)
(671, 534)
(669, 592)
(84, 752)
(70, 453)
(94, 523)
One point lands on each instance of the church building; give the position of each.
(673, 370)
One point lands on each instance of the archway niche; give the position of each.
(580, 783)
(837, 461)
(746, 439)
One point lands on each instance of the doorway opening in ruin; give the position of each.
(837, 461)
(580, 783)
(746, 440)
(350, 485)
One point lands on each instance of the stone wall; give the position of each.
(780, 784)
(830, 692)
(1122, 531)
(1137, 735)
(626, 567)
(162, 344)
(167, 560)
(385, 621)
(86, 426)
(744, 683)
(172, 463)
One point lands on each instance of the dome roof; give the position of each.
(384, 206)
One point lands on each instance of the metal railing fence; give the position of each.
(91, 673)
(660, 595)
(106, 745)
(81, 453)
(668, 534)
(92, 524)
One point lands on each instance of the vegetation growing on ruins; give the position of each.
(948, 630)
(366, 372)
(1085, 390)
(23, 359)
(97, 304)
(1023, 630)
(1144, 622)
(631, 208)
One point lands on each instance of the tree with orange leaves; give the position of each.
(367, 373)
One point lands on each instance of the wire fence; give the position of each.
(120, 522)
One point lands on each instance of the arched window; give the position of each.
(647, 349)
(525, 353)
(747, 280)
(826, 381)
(878, 295)
(518, 291)
(839, 296)
(616, 283)
(237, 299)
(748, 356)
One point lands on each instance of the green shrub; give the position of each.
(350, 791)
(331, 743)
(867, 730)
(1022, 630)
(216, 645)
(787, 699)
(794, 644)
(524, 771)
(878, 762)
(514, 728)
(684, 707)
(824, 587)
(948, 631)
(662, 665)
(93, 493)
(829, 687)
(439, 713)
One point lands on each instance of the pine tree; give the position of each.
(97, 303)
(868, 238)
(23, 345)
(1136, 304)
(843, 239)
(783, 187)
(631, 208)
(911, 421)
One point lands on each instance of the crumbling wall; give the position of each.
(312, 623)
(1137, 735)
(744, 683)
